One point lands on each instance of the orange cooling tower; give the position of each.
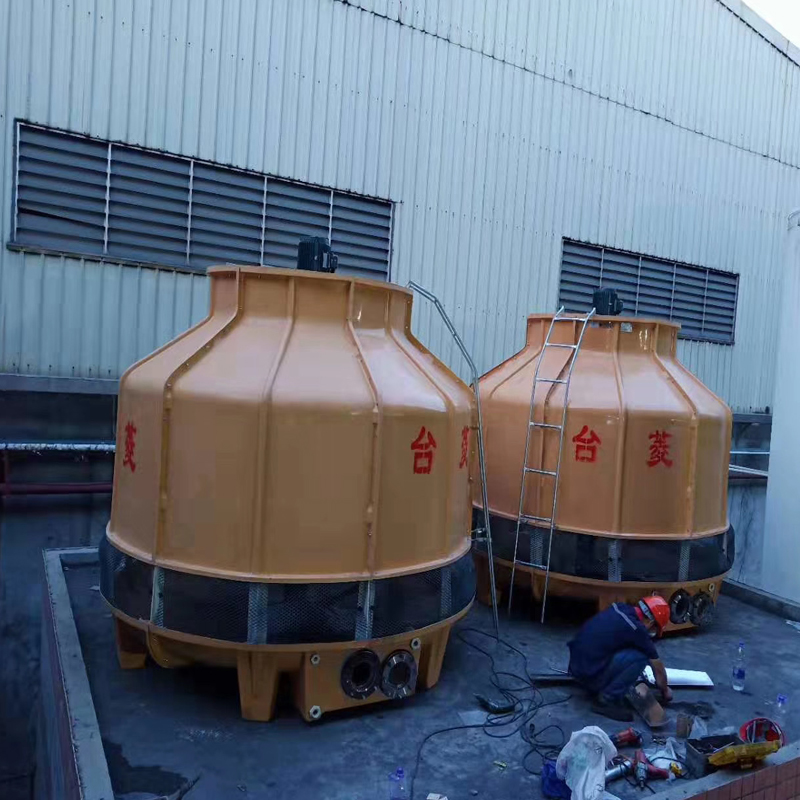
(291, 494)
(642, 488)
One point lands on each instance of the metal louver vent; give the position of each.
(702, 300)
(86, 197)
(148, 206)
(361, 236)
(61, 191)
(293, 211)
(227, 216)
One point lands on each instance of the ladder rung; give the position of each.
(550, 380)
(531, 564)
(541, 471)
(559, 344)
(532, 518)
(572, 319)
(545, 425)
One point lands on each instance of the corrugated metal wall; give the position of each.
(498, 127)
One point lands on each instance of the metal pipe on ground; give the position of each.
(8, 489)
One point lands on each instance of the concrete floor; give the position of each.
(161, 728)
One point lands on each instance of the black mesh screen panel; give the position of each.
(645, 560)
(407, 603)
(462, 582)
(285, 613)
(212, 607)
(322, 612)
(125, 582)
(711, 556)
(649, 560)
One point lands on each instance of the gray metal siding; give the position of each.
(666, 127)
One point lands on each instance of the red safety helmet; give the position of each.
(762, 729)
(655, 608)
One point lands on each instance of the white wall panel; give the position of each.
(84, 319)
(669, 127)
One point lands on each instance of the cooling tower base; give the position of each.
(692, 602)
(323, 677)
(340, 644)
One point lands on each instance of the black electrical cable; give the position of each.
(669, 758)
(520, 720)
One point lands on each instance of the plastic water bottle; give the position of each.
(780, 710)
(737, 680)
(397, 785)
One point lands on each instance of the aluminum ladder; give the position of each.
(522, 517)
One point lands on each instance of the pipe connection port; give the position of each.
(679, 606)
(702, 609)
(399, 675)
(360, 674)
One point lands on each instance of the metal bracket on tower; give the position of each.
(446, 593)
(487, 530)
(536, 541)
(685, 556)
(257, 613)
(366, 601)
(157, 598)
(615, 561)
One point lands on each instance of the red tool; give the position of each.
(645, 771)
(630, 737)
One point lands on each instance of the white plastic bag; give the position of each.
(582, 763)
(699, 729)
(661, 755)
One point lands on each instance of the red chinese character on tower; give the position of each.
(659, 449)
(586, 444)
(464, 447)
(130, 446)
(424, 447)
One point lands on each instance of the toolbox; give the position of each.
(699, 750)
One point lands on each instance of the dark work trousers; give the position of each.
(620, 674)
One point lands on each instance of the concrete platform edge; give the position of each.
(71, 762)
(762, 600)
(705, 787)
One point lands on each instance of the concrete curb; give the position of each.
(765, 601)
(686, 789)
(70, 715)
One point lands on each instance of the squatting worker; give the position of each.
(613, 647)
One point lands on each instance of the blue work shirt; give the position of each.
(617, 628)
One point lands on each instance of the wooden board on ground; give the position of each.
(645, 704)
